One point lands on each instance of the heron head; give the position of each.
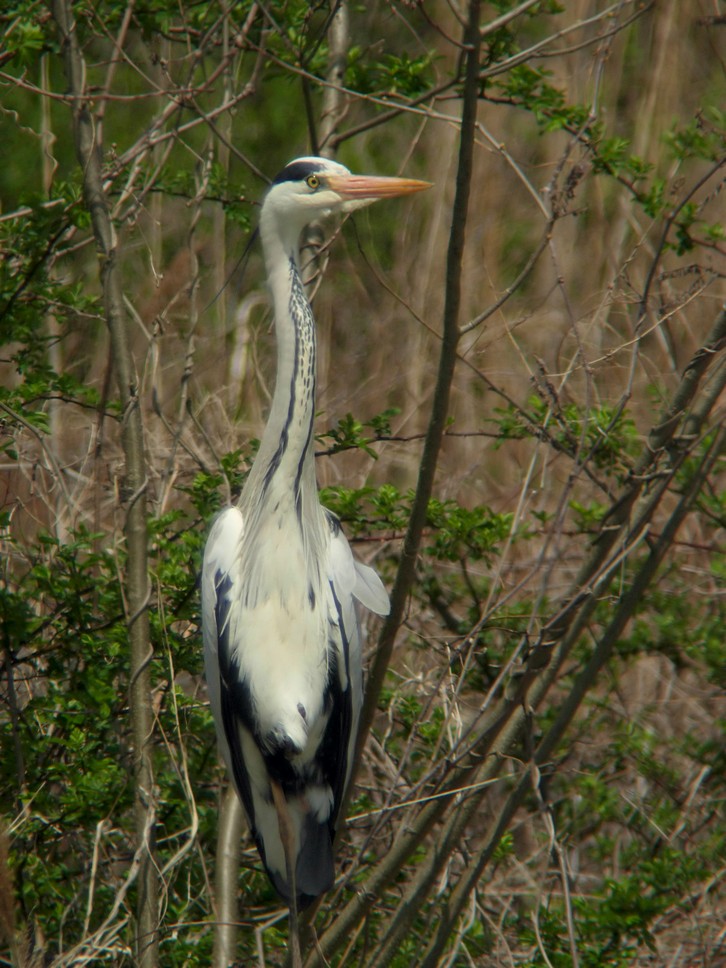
(311, 188)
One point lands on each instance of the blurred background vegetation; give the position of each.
(551, 722)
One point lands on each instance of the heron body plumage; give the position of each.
(281, 588)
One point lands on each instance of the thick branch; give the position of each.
(355, 911)
(226, 881)
(333, 98)
(447, 363)
(505, 729)
(582, 685)
(536, 686)
(89, 155)
(635, 505)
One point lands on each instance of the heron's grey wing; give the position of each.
(221, 553)
(349, 582)
(369, 589)
(228, 694)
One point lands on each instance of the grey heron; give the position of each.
(280, 586)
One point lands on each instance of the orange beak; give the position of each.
(361, 187)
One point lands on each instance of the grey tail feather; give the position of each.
(314, 871)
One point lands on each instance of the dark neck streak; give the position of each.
(298, 421)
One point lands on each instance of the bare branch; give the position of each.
(89, 155)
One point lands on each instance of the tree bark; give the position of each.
(229, 834)
(447, 365)
(356, 909)
(89, 153)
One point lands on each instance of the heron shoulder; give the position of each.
(350, 577)
(224, 539)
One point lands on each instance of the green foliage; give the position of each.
(604, 435)
(219, 187)
(682, 626)
(349, 433)
(654, 201)
(529, 88)
(414, 720)
(633, 796)
(614, 922)
(588, 516)
(27, 34)
(702, 137)
(66, 612)
(59, 615)
(398, 74)
(29, 294)
(611, 156)
(454, 533)
(465, 534)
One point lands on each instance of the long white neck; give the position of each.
(285, 462)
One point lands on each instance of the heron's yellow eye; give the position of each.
(312, 181)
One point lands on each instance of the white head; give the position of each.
(311, 188)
